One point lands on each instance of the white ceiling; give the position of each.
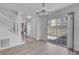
(30, 8)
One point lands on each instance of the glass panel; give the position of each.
(57, 31)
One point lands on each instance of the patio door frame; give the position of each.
(71, 41)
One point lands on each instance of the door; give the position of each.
(57, 31)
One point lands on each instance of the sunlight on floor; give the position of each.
(52, 37)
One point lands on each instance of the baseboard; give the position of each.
(76, 50)
(12, 46)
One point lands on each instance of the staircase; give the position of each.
(8, 33)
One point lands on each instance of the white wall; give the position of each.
(42, 27)
(34, 28)
(28, 29)
(31, 27)
(38, 27)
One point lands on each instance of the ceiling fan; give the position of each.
(43, 12)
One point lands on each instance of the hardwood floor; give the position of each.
(34, 47)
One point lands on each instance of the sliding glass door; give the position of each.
(57, 31)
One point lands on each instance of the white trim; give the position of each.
(11, 46)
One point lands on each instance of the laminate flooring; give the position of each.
(36, 47)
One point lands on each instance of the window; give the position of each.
(53, 22)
